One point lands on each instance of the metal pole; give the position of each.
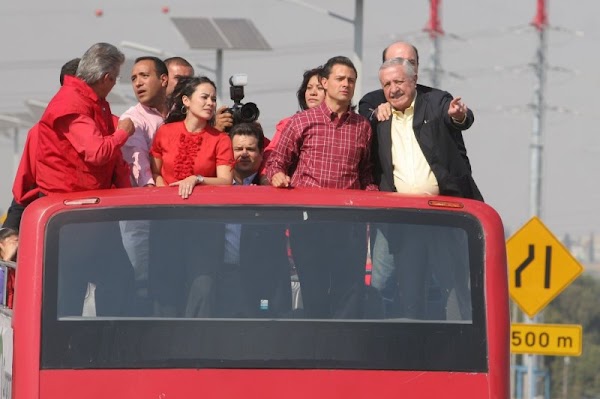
(565, 381)
(537, 147)
(436, 61)
(357, 22)
(158, 52)
(219, 77)
(358, 46)
(531, 366)
(16, 154)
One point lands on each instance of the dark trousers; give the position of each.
(255, 290)
(330, 259)
(418, 253)
(184, 259)
(94, 253)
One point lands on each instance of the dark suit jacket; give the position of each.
(438, 136)
(14, 215)
(264, 271)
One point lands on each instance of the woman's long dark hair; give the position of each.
(186, 86)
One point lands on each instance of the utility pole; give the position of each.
(540, 23)
(565, 380)
(592, 249)
(14, 123)
(358, 45)
(16, 150)
(357, 23)
(434, 29)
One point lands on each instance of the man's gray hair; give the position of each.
(409, 68)
(98, 60)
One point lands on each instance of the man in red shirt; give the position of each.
(79, 148)
(330, 146)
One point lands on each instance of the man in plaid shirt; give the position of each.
(328, 146)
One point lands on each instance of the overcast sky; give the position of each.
(487, 53)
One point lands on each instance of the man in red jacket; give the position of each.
(24, 188)
(79, 148)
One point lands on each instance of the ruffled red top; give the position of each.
(185, 154)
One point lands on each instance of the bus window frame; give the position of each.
(114, 343)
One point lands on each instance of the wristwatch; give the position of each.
(199, 179)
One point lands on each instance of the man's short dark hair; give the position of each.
(70, 68)
(7, 232)
(159, 65)
(249, 129)
(414, 48)
(338, 60)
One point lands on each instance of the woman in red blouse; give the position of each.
(186, 150)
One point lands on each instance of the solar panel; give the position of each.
(200, 33)
(11, 121)
(220, 33)
(242, 34)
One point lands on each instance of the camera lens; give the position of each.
(249, 112)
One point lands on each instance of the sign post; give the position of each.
(540, 268)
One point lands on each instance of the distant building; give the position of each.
(586, 249)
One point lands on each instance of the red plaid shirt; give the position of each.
(328, 151)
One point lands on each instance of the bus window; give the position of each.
(214, 287)
(422, 271)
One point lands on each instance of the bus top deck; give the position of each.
(258, 292)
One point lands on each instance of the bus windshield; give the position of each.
(270, 287)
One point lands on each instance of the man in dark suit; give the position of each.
(419, 149)
(453, 176)
(254, 280)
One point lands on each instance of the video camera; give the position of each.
(242, 113)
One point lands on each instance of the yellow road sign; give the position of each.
(546, 339)
(539, 267)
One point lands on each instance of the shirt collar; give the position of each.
(150, 110)
(247, 181)
(333, 115)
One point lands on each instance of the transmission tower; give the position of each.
(434, 29)
(540, 23)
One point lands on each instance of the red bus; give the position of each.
(130, 294)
